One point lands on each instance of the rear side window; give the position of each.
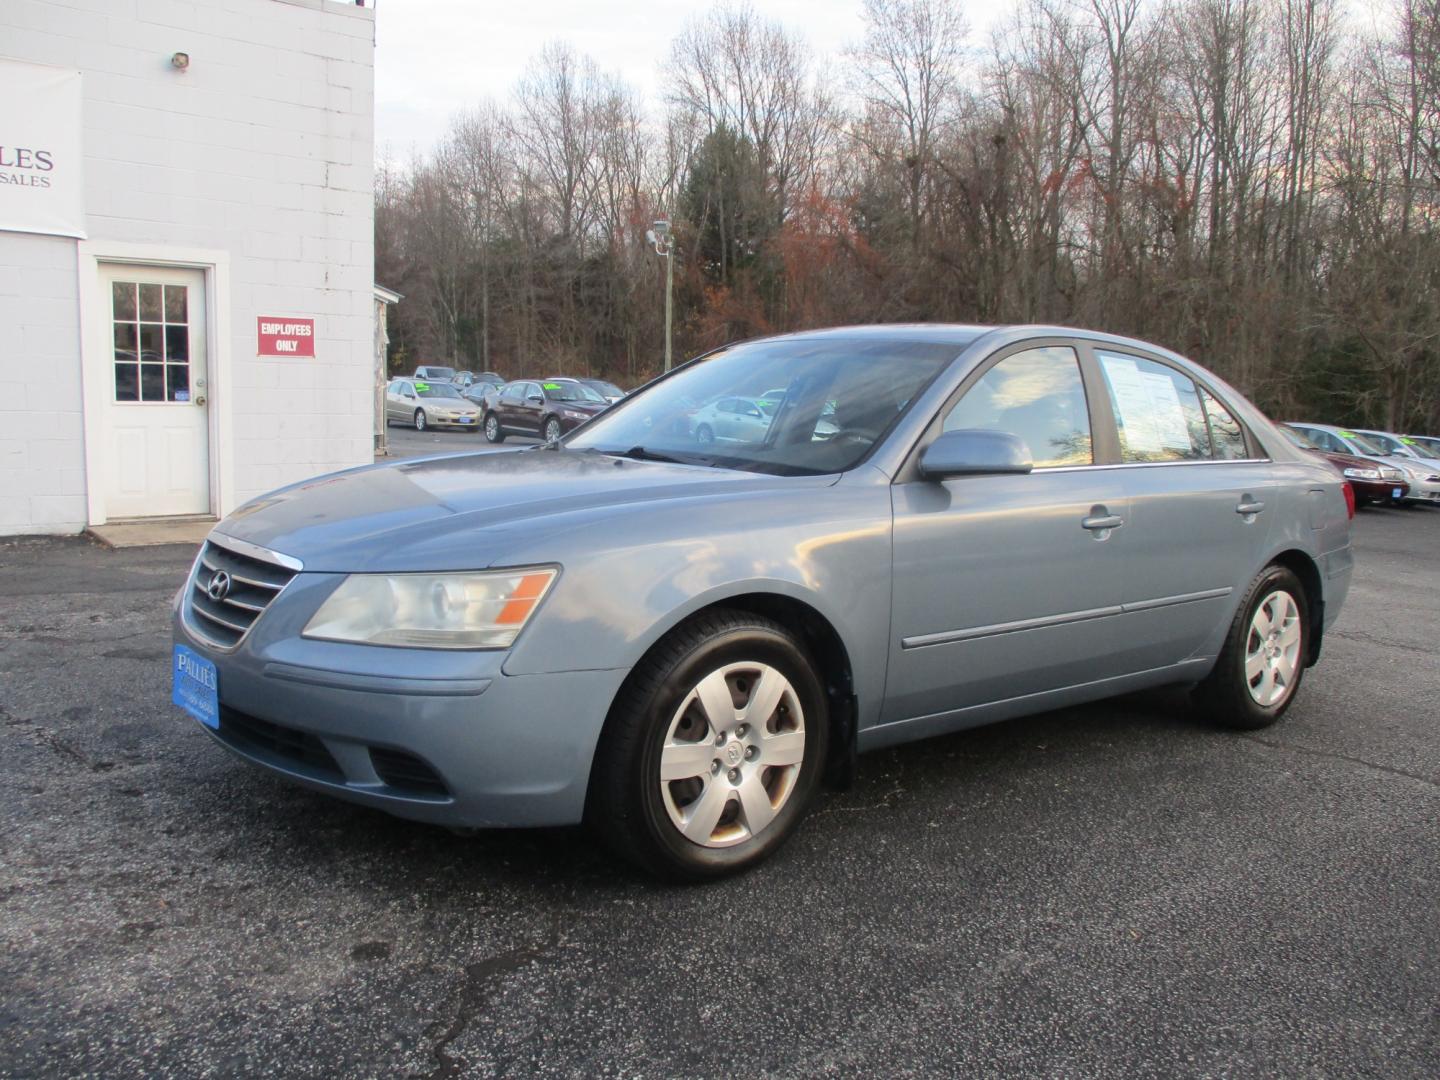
(1226, 433)
(1038, 395)
(1157, 410)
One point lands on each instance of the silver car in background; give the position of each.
(677, 640)
(423, 404)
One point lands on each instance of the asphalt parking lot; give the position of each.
(406, 442)
(1117, 890)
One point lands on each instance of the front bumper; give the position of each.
(1426, 491)
(468, 423)
(1380, 491)
(445, 738)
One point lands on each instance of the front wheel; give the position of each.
(713, 751)
(1263, 659)
(419, 419)
(552, 430)
(492, 429)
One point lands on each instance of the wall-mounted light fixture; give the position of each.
(180, 61)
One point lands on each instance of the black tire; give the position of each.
(704, 434)
(1225, 696)
(625, 806)
(552, 431)
(419, 419)
(493, 431)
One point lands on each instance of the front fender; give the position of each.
(624, 585)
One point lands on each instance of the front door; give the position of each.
(1008, 586)
(157, 424)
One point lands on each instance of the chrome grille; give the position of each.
(222, 614)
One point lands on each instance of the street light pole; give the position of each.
(659, 237)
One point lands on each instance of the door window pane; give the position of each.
(127, 382)
(177, 344)
(175, 303)
(1226, 434)
(1157, 410)
(1037, 395)
(151, 309)
(152, 382)
(123, 295)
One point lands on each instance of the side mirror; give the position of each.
(975, 452)
(535, 399)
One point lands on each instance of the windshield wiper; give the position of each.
(644, 453)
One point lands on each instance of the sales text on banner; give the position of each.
(41, 190)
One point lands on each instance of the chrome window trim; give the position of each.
(1155, 464)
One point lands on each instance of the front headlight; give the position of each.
(432, 611)
(574, 414)
(1363, 474)
(1387, 473)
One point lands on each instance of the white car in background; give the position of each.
(1423, 474)
(731, 419)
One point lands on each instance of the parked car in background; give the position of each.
(1430, 444)
(1373, 481)
(607, 390)
(547, 408)
(676, 641)
(731, 419)
(480, 388)
(434, 373)
(1396, 445)
(425, 405)
(1422, 475)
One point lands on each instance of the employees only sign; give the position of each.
(278, 336)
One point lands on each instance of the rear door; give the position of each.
(1201, 497)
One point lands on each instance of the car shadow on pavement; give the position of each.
(307, 831)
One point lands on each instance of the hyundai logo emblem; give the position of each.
(219, 586)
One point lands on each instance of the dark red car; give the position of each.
(1372, 481)
(545, 408)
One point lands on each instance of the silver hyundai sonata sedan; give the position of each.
(678, 640)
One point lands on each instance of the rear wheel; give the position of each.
(1263, 659)
(419, 419)
(713, 751)
(492, 429)
(704, 434)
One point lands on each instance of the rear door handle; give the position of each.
(1249, 505)
(1101, 522)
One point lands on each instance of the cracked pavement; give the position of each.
(1117, 890)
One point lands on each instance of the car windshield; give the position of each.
(436, 390)
(607, 389)
(707, 412)
(1425, 448)
(568, 391)
(439, 372)
(1364, 445)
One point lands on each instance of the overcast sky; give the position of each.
(435, 57)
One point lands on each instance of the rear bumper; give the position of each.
(483, 751)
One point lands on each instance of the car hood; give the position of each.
(465, 511)
(582, 406)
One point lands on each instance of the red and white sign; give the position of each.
(280, 336)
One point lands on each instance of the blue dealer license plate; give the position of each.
(195, 686)
(1395, 494)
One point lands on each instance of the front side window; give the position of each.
(1037, 395)
(1157, 410)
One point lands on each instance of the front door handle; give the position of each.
(1101, 520)
(1249, 505)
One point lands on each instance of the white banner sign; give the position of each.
(40, 156)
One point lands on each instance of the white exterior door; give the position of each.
(157, 427)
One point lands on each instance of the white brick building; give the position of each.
(218, 194)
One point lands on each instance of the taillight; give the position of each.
(1349, 500)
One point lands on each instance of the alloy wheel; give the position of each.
(1272, 649)
(732, 754)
